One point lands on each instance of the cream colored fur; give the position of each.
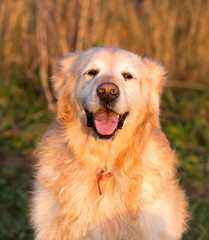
(142, 199)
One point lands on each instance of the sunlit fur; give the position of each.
(142, 199)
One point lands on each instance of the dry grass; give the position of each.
(33, 34)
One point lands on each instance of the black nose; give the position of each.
(108, 91)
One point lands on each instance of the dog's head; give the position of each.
(107, 89)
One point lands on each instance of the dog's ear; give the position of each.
(155, 77)
(64, 72)
(62, 82)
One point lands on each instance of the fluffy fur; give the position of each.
(141, 199)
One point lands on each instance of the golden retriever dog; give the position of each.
(105, 170)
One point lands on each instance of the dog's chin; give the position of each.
(105, 122)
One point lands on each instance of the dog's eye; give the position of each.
(127, 76)
(92, 72)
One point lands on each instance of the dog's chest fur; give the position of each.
(80, 208)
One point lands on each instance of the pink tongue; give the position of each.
(105, 122)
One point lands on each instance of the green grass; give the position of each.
(24, 117)
(15, 185)
(186, 124)
(187, 130)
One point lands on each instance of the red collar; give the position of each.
(102, 175)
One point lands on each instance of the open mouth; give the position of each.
(105, 122)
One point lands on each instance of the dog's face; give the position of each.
(109, 88)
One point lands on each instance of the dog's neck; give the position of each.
(106, 153)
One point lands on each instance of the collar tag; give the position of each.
(102, 176)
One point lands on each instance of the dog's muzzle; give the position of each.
(106, 121)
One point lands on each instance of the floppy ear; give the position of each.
(63, 82)
(152, 84)
(63, 73)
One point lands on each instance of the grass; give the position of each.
(185, 118)
(23, 118)
(15, 186)
(186, 128)
(185, 123)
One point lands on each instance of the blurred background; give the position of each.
(34, 33)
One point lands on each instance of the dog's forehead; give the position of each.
(111, 58)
